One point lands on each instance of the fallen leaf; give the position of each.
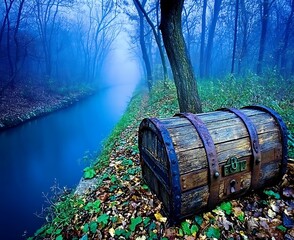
(227, 224)
(252, 224)
(264, 224)
(213, 232)
(288, 192)
(111, 232)
(160, 218)
(271, 213)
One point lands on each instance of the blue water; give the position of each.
(36, 153)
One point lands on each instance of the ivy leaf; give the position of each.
(194, 230)
(282, 228)
(85, 237)
(103, 219)
(241, 217)
(213, 233)
(226, 207)
(199, 220)
(186, 228)
(135, 222)
(59, 237)
(89, 173)
(181, 233)
(146, 221)
(86, 228)
(272, 194)
(122, 232)
(93, 227)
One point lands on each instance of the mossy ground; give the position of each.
(121, 205)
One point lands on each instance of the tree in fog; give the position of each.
(143, 44)
(155, 34)
(211, 33)
(264, 9)
(202, 46)
(47, 19)
(171, 28)
(97, 34)
(235, 35)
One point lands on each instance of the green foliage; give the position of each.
(89, 173)
(282, 228)
(272, 194)
(226, 207)
(59, 237)
(199, 220)
(103, 219)
(93, 206)
(122, 232)
(186, 228)
(213, 232)
(93, 226)
(134, 223)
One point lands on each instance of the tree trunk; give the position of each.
(203, 30)
(264, 23)
(171, 28)
(16, 42)
(156, 36)
(216, 10)
(235, 35)
(245, 19)
(143, 47)
(286, 41)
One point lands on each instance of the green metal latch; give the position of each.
(234, 165)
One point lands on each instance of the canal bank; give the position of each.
(48, 152)
(25, 103)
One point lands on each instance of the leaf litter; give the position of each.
(122, 207)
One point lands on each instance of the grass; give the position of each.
(162, 102)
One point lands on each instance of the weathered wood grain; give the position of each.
(231, 140)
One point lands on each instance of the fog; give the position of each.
(66, 44)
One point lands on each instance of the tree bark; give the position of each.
(264, 23)
(235, 35)
(216, 10)
(203, 30)
(245, 19)
(143, 46)
(286, 41)
(156, 36)
(171, 28)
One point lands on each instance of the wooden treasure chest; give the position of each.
(192, 162)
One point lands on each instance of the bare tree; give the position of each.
(143, 45)
(156, 36)
(203, 30)
(209, 46)
(235, 35)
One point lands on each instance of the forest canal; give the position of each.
(36, 154)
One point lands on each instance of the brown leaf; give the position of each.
(252, 224)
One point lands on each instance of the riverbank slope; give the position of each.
(23, 103)
(120, 206)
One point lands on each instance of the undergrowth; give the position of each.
(162, 102)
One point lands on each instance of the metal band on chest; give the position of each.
(254, 143)
(213, 165)
(174, 173)
(283, 132)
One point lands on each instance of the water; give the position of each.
(36, 153)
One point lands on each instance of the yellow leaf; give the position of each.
(111, 232)
(160, 218)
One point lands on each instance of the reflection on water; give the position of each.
(33, 155)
